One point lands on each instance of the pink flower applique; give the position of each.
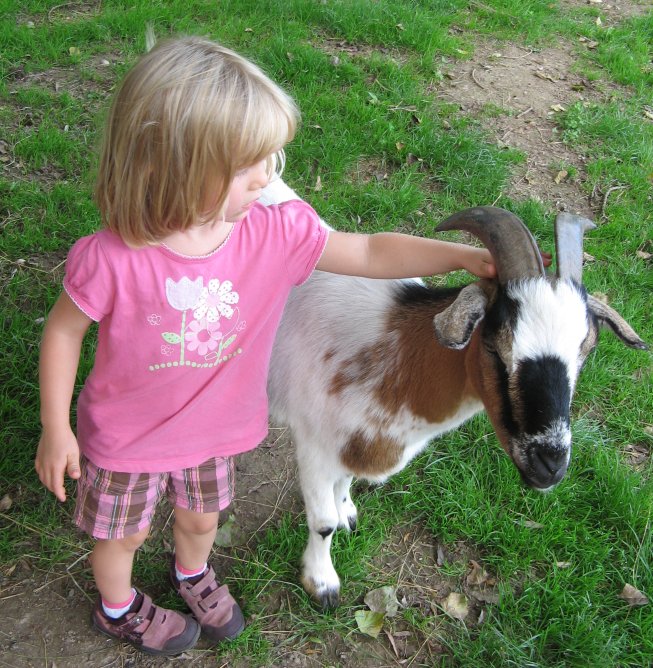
(202, 336)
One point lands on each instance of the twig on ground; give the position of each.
(608, 192)
(475, 80)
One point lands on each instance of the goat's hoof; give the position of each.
(324, 595)
(352, 521)
(327, 600)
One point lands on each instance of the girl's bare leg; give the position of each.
(194, 535)
(112, 562)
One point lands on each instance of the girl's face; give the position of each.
(245, 189)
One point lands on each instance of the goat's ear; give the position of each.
(455, 325)
(609, 318)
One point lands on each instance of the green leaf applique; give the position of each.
(171, 337)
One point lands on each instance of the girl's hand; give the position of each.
(480, 263)
(57, 454)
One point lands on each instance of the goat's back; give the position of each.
(327, 320)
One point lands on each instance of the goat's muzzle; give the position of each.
(543, 466)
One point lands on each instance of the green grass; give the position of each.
(363, 116)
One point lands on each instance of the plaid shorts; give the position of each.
(113, 505)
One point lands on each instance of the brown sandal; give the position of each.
(150, 628)
(211, 604)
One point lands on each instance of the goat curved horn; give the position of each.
(569, 230)
(513, 247)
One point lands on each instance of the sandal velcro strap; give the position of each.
(211, 603)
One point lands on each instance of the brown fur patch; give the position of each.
(360, 368)
(408, 368)
(375, 456)
(428, 379)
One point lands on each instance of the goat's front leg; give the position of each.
(319, 577)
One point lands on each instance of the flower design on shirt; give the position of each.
(202, 336)
(215, 301)
(184, 294)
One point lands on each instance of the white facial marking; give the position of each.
(552, 321)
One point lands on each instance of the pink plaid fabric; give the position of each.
(112, 505)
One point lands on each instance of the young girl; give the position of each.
(188, 280)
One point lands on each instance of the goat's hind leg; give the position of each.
(347, 513)
(319, 577)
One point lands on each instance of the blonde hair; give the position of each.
(187, 117)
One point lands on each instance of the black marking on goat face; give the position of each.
(544, 392)
(544, 395)
(325, 533)
(497, 339)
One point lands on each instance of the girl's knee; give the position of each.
(197, 523)
(134, 541)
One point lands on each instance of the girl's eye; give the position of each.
(242, 172)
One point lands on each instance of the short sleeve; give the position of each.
(304, 239)
(89, 279)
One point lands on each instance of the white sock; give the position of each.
(115, 611)
(185, 574)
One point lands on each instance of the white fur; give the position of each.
(538, 330)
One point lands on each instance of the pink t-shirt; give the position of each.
(184, 343)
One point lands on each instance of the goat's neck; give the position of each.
(428, 379)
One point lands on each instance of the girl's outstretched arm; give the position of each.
(390, 255)
(58, 452)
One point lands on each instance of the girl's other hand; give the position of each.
(57, 454)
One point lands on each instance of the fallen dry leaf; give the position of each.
(561, 176)
(478, 575)
(370, 623)
(318, 184)
(228, 535)
(633, 596)
(5, 503)
(456, 606)
(590, 44)
(644, 255)
(392, 642)
(383, 600)
(545, 76)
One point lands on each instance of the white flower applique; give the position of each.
(215, 301)
(205, 335)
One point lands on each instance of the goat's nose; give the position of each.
(548, 465)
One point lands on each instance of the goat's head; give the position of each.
(538, 330)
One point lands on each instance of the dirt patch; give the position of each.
(517, 91)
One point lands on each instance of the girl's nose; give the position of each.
(260, 176)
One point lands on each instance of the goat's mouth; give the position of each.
(542, 467)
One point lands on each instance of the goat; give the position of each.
(367, 372)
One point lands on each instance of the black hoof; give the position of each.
(329, 599)
(352, 523)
